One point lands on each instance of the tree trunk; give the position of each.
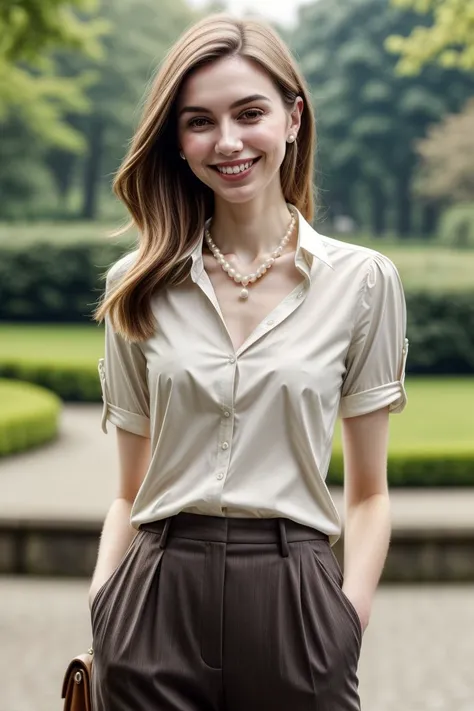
(429, 219)
(92, 168)
(403, 202)
(379, 208)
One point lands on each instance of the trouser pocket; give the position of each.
(330, 569)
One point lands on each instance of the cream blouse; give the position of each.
(249, 432)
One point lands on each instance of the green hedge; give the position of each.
(49, 282)
(433, 467)
(60, 283)
(29, 416)
(72, 382)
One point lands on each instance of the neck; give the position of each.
(249, 231)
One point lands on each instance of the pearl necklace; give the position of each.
(245, 280)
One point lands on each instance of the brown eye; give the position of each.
(194, 123)
(252, 114)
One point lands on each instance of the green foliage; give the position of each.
(441, 332)
(449, 40)
(30, 89)
(457, 228)
(368, 117)
(29, 416)
(142, 31)
(71, 381)
(51, 282)
(427, 467)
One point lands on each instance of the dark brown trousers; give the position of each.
(225, 614)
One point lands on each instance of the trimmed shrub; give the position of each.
(29, 416)
(441, 333)
(72, 382)
(49, 282)
(419, 468)
(457, 227)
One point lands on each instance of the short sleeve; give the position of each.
(123, 378)
(376, 359)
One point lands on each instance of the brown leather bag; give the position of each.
(77, 683)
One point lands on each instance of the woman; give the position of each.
(235, 334)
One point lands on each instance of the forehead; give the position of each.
(224, 81)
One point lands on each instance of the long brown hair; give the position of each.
(168, 204)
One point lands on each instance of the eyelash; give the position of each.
(192, 122)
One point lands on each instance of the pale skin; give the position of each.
(250, 218)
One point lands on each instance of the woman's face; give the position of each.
(231, 117)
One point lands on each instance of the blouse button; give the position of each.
(231, 359)
(300, 294)
(220, 475)
(225, 445)
(226, 413)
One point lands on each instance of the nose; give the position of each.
(229, 140)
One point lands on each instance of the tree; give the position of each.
(449, 40)
(368, 117)
(30, 90)
(447, 154)
(142, 31)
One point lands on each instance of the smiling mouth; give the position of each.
(236, 169)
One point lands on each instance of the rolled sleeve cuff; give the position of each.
(130, 421)
(392, 395)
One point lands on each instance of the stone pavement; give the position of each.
(74, 478)
(416, 655)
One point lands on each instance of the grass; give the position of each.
(51, 343)
(439, 411)
(439, 415)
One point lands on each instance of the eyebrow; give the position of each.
(240, 102)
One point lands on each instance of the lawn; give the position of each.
(51, 344)
(439, 414)
(421, 265)
(440, 411)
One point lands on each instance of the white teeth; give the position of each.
(228, 170)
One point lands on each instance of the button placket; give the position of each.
(226, 424)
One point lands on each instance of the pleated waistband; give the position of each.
(233, 530)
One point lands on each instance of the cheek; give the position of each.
(196, 145)
(269, 138)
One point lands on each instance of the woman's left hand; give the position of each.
(361, 606)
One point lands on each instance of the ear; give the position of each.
(295, 116)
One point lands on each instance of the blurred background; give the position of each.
(392, 85)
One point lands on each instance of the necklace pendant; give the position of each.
(244, 294)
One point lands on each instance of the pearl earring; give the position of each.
(291, 138)
(182, 155)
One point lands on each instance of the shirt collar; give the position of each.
(309, 245)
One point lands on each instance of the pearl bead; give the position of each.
(231, 272)
(226, 266)
(252, 277)
(245, 281)
(244, 294)
(270, 262)
(238, 277)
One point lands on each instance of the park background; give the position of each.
(392, 85)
